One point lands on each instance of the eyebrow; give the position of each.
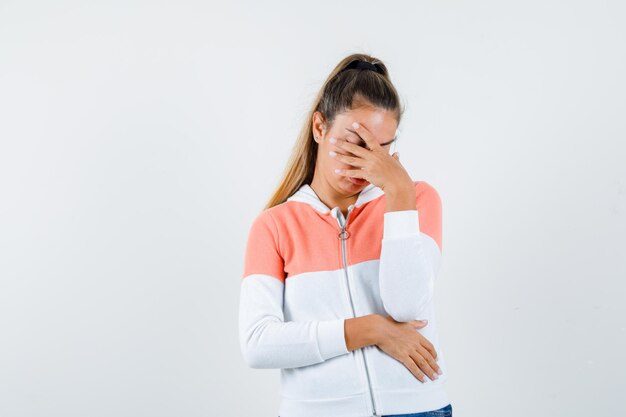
(382, 144)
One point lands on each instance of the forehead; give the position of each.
(382, 123)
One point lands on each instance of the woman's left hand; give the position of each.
(374, 164)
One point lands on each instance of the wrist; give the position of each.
(400, 187)
(377, 326)
(401, 201)
(362, 331)
(400, 196)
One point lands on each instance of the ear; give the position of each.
(318, 126)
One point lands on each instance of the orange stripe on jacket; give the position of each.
(293, 238)
(429, 211)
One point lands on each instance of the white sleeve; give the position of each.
(266, 340)
(410, 258)
(269, 342)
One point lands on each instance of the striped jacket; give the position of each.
(307, 269)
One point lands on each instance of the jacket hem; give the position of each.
(411, 401)
(387, 402)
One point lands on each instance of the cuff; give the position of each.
(403, 223)
(331, 338)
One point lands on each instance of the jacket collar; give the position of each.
(306, 194)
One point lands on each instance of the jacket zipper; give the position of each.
(343, 235)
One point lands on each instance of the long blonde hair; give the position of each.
(342, 88)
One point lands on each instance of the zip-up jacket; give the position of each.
(307, 269)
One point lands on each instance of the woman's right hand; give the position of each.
(403, 343)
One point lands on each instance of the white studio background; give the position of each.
(138, 140)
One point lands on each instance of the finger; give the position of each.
(425, 343)
(350, 160)
(355, 173)
(366, 135)
(423, 364)
(420, 323)
(415, 370)
(351, 148)
(431, 359)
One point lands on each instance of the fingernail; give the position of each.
(332, 153)
(332, 140)
(355, 125)
(439, 372)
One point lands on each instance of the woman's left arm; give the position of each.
(411, 255)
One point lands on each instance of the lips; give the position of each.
(357, 181)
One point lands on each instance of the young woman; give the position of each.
(337, 289)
